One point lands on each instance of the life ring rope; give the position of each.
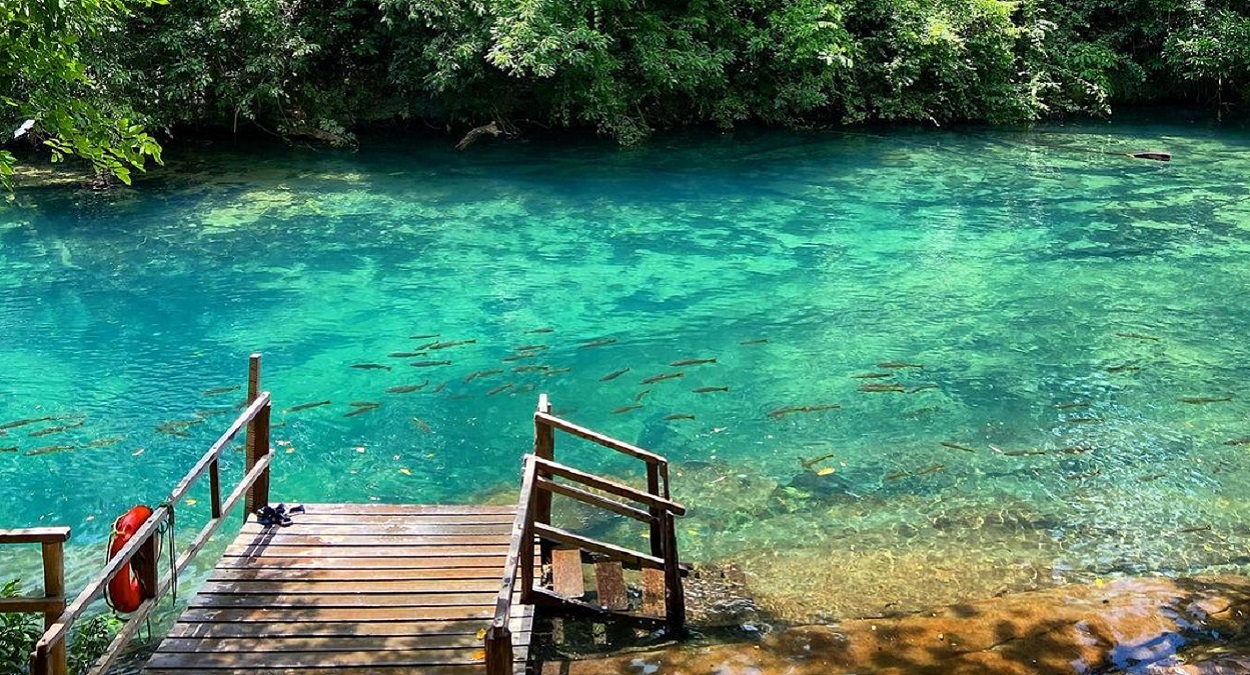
(126, 590)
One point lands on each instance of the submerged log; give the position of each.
(471, 137)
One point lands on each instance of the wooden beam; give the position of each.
(516, 549)
(31, 605)
(544, 448)
(612, 487)
(249, 443)
(594, 546)
(34, 535)
(594, 500)
(566, 426)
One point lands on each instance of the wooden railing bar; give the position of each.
(594, 500)
(52, 604)
(498, 642)
(217, 448)
(95, 588)
(603, 548)
(34, 535)
(590, 480)
(596, 437)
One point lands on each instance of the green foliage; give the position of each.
(19, 632)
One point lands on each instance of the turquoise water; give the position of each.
(1024, 271)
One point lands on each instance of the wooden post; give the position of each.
(544, 448)
(54, 587)
(526, 558)
(657, 513)
(249, 443)
(674, 596)
(499, 651)
(259, 494)
(149, 553)
(214, 488)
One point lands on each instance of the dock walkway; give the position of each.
(352, 588)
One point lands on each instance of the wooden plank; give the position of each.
(368, 520)
(363, 614)
(34, 535)
(278, 539)
(419, 657)
(407, 551)
(653, 591)
(352, 643)
(611, 487)
(33, 605)
(391, 528)
(567, 577)
(354, 587)
(595, 500)
(432, 560)
(616, 552)
(442, 669)
(489, 573)
(290, 600)
(407, 509)
(347, 628)
(610, 584)
(596, 437)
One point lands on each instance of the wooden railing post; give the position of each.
(544, 448)
(499, 651)
(54, 587)
(249, 442)
(674, 596)
(259, 494)
(657, 514)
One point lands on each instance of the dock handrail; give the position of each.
(48, 657)
(52, 556)
(533, 522)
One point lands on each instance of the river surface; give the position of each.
(1053, 336)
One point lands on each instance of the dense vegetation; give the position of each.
(19, 632)
(94, 73)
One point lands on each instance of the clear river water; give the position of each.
(946, 363)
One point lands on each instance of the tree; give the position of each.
(50, 94)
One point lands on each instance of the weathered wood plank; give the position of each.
(407, 551)
(346, 628)
(291, 600)
(286, 537)
(610, 584)
(34, 535)
(370, 519)
(567, 577)
(420, 657)
(444, 669)
(489, 573)
(405, 509)
(366, 588)
(342, 643)
(652, 591)
(434, 560)
(361, 614)
(391, 529)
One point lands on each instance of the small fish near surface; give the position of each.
(50, 449)
(1156, 155)
(104, 442)
(452, 343)
(500, 389)
(521, 356)
(692, 362)
(481, 373)
(365, 404)
(1083, 420)
(370, 366)
(1138, 336)
(899, 364)
(883, 388)
(55, 430)
(613, 375)
(956, 446)
(362, 407)
(546, 329)
(405, 355)
(424, 336)
(639, 395)
(598, 342)
(532, 348)
(429, 364)
(1197, 400)
(660, 378)
(537, 368)
(221, 390)
(1238, 441)
(24, 422)
(708, 390)
(755, 341)
(871, 376)
(558, 371)
(925, 386)
(791, 409)
(425, 428)
(406, 388)
(1072, 405)
(306, 406)
(178, 427)
(1126, 368)
(9, 448)
(678, 416)
(809, 463)
(626, 408)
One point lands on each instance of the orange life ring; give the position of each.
(125, 592)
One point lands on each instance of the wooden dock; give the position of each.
(352, 588)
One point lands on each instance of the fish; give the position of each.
(520, 357)
(692, 362)
(1138, 336)
(708, 390)
(421, 425)
(661, 378)
(1075, 450)
(639, 395)
(221, 390)
(955, 446)
(452, 343)
(1082, 420)
(1205, 399)
(439, 388)
(365, 404)
(613, 375)
(55, 430)
(212, 412)
(421, 348)
(370, 366)
(899, 364)
(678, 416)
(558, 371)
(406, 388)
(10, 448)
(104, 442)
(530, 369)
(1074, 404)
(1127, 368)
(1151, 477)
(362, 410)
(626, 408)
(24, 422)
(500, 389)
(424, 336)
(883, 387)
(781, 412)
(178, 427)
(532, 348)
(404, 355)
(896, 475)
(547, 329)
(599, 342)
(49, 449)
(1021, 453)
(922, 387)
(1238, 441)
(427, 364)
(809, 463)
(871, 376)
(754, 341)
(930, 469)
(1195, 528)
(481, 373)
(306, 406)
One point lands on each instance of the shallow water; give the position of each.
(1024, 271)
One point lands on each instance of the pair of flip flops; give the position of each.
(277, 515)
